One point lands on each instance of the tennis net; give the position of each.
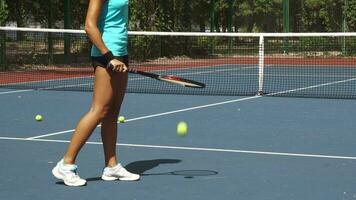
(272, 64)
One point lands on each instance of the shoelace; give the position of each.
(74, 175)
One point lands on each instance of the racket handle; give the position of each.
(109, 66)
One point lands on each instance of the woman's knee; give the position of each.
(100, 111)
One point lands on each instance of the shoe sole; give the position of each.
(113, 178)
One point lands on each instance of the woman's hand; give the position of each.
(118, 66)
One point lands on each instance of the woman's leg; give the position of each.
(113, 169)
(102, 101)
(109, 123)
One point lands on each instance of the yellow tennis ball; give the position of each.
(121, 119)
(182, 129)
(38, 118)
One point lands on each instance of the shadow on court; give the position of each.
(140, 167)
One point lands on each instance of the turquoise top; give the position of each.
(112, 24)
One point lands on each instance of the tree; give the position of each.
(322, 15)
(3, 11)
(350, 14)
(185, 15)
(200, 13)
(17, 8)
(143, 14)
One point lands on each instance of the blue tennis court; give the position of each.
(246, 147)
(270, 124)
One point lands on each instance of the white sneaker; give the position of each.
(118, 172)
(68, 173)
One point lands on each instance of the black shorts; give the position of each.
(101, 61)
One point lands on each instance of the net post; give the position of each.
(261, 66)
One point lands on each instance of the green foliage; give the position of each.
(200, 15)
(259, 15)
(26, 12)
(322, 15)
(162, 15)
(197, 15)
(144, 47)
(143, 14)
(3, 11)
(350, 13)
(314, 44)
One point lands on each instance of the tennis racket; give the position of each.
(170, 79)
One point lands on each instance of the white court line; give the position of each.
(309, 76)
(92, 76)
(155, 115)
(311, 87)
(196, 72)
(185, 73)
(131, 79)
(196, 149)
(205, 106)
(50, 80)
(16, 91)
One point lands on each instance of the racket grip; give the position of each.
(109, 66)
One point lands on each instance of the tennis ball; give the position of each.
(38, 118)
(121, 119)
(182, 129)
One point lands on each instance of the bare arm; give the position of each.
(91, 27)
(92, 30)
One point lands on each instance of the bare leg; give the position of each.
(109, 123)
(102, 101)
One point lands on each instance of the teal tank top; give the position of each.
(112, 24)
